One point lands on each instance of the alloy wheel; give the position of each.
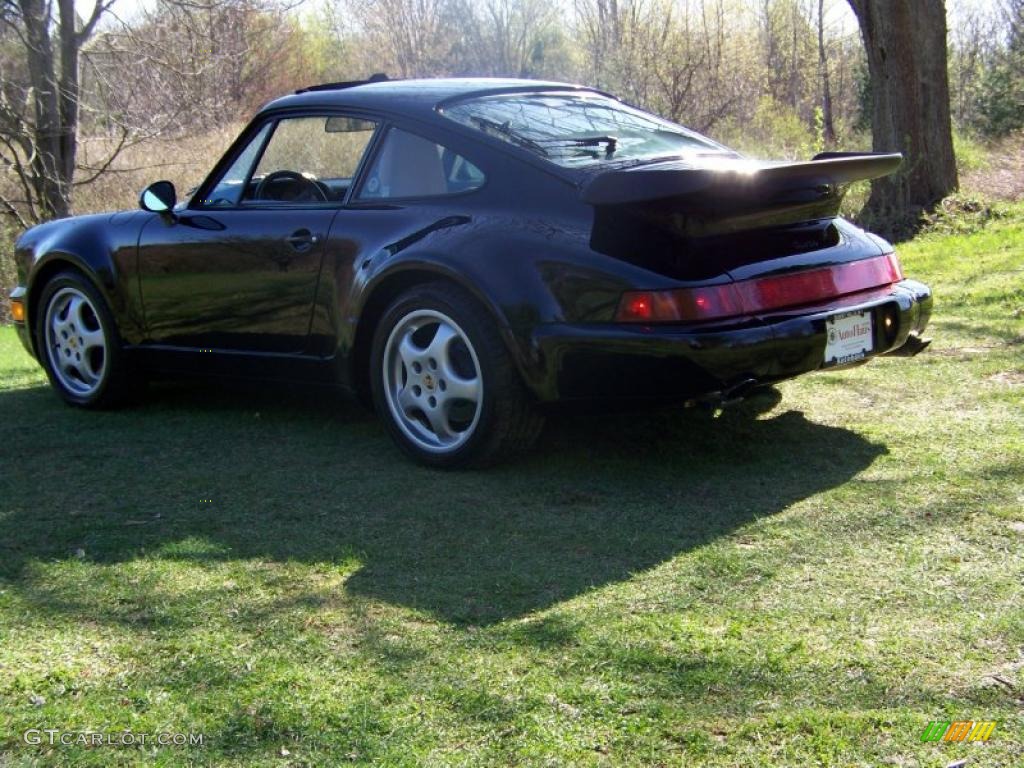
(432, 381)
(75, 342)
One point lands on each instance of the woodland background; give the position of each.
(161, 88)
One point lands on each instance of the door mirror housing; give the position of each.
(159, 197)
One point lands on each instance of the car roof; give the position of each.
(412, 97)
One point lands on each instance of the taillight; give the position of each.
(637, 306)
(684, 305)
(748, 297)
(895, 266)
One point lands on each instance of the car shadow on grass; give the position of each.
(204, 473)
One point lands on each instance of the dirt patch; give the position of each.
(1008, 378)
(1003, 176)
(963, 351)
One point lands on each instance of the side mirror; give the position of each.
(158, 197)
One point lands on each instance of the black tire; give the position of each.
(114, 383)
(506, 423)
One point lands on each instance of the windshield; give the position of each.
(576, 129)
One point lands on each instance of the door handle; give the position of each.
(301, 239)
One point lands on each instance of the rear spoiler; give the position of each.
(710, 186)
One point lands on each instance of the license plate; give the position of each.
(849, 337)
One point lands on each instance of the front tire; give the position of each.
(443, 382)
(78, 343)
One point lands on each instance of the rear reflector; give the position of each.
(749, 297)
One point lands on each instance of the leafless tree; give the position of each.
(179, 62)
(124, 81)
(39, 117)
(409, 38)
(507, 37)
(671, 56)
(786, 35)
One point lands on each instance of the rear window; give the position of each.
(576, 129)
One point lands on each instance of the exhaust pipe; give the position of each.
(737, 392)
(914, 345)
(722, 399)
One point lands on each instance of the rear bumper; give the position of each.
(596, 361)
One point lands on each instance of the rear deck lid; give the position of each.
(697, 218)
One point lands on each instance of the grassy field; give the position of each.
(805, 581)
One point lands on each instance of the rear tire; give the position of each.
(78, 344)
(443, 382)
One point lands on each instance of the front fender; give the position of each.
(102, 247)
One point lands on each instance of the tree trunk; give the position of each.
(69, 92)
(906, 52)
(53, 47)
(51, 183)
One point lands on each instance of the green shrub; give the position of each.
(775, 131)
(961, 215)
(1002, 99)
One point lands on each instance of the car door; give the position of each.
(237, 269)
(411, 187)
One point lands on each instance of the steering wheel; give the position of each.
(300, 182)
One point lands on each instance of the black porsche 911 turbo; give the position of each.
(462, 253)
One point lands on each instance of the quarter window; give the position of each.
(408, 165)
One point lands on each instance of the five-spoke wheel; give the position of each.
(443, 380)
(78, 343)
(75, 342)
(433, 383)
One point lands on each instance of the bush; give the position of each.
(960, 215)
(1002, 98)
(776, 131)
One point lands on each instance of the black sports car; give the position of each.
(461, 253)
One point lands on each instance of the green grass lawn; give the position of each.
(807, 581)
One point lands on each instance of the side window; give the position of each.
(228, 191)
(310, 160)
(411, 166)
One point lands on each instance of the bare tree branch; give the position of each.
(101, 7)
(109, 161)
(11, 210)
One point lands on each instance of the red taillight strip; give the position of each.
(748, 297)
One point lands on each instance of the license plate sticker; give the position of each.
(849, 337)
